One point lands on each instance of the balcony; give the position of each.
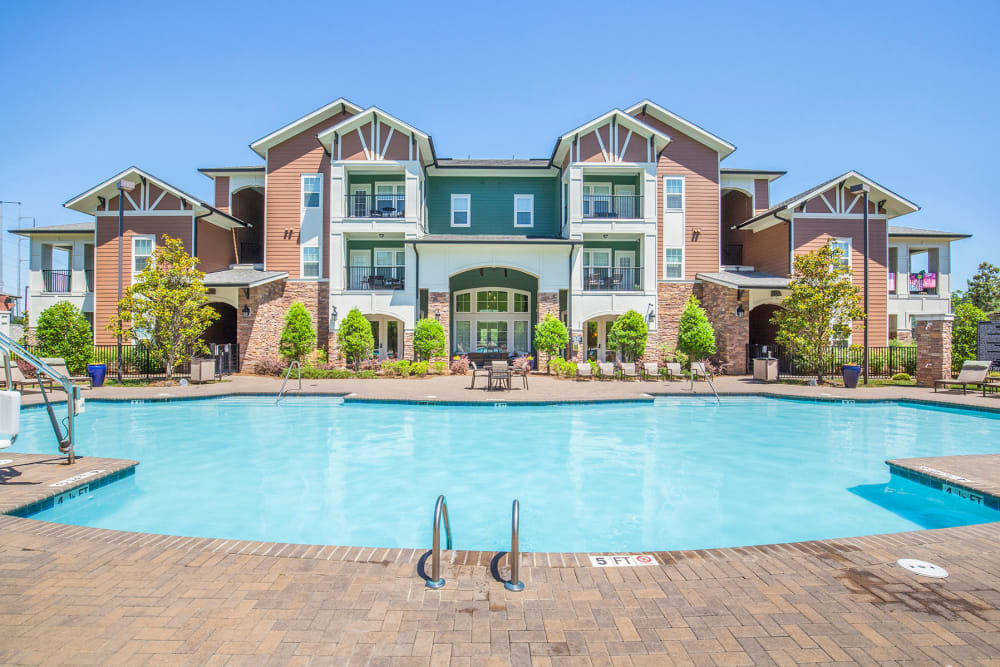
(612, 279)
(56, 281)
(611, 207)
(89, 274)
(362, 205)
(376, 278)
(918, 284)
(732, 254)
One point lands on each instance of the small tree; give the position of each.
(355, 339)
(821, 307)
(695, 337)
(550, 336)
(984, 288)
(629, 332)
(63, 331)
(428, 338)
(965, 334)
(298, 338)
(166, 310)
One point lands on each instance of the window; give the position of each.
(463, 303)
(673, 263)
(142, 250)
(520, 303)
(463, 335)
(310, 261)
(491, 336)
(673, 193)
(597, 258)
(845, 247)
(524, 210)
(389, 199)
(461, 209)
(522, 342)
(596, 200)
(311, 187)
(491, 301)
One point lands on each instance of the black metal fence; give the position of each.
(138, 363)
(612, 206)
(363, 205)
(613, 278)
(883, 362)
(56, 281)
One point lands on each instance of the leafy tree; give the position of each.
(166, 310)
(550, 336)
(298, 338)
(355, 338)
(428, 338)
(63, 331)
(984, 288)
(629, 332)
(965, 333)
(821, 307)
(696, 337)
(959, 297)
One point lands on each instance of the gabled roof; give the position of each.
(700, 134)
(563, 142)
(69, 228)
(426, 144)
(87, 202)
(899, 205)
(337, 106)
(925, 233)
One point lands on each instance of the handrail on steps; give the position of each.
(281, 392)
(440, 509)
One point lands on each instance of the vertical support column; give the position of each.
(548, 303)
(438, 307)
(933, 335)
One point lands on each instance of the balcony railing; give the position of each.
(89, 273)
(732, 254)
(363, 205)
(612, 206)
(56, 281)
(613, 279)
(376, 277)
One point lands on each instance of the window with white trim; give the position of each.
(312, 185)
(461, 210)
(673, 193)
(310, 261)
(524, 210)
(845, 246)
(673, 263)
(142, 249)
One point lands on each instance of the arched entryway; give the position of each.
(222, 330)
(762, 330)
(493, 313)
(388, 334)
(595, 339)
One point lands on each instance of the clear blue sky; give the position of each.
(906, 93)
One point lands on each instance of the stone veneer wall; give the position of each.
(259, 334)
(670, 302)
(438, 303)
(732, 333)
(548, 304)
(933, 334)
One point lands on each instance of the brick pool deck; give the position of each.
(75, 595)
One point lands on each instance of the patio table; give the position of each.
(992, 383)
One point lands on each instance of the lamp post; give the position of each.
(864, 189)
(123, 186)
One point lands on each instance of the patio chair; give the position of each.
(583, 371)
(522, 372)
(973, 373)
(606, 370)
(650, 369)
(479, 372)
(629, 371)
(673, 369)
(698, 370)
(499, 375)
(19, 382)
(59, 365)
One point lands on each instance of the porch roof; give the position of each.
(494, 238)
(69, 228)
(745, 279)
(242, 276)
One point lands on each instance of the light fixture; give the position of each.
(246, 311)
(739, 311)
(650, 314)
(605, 235)
(480, 273)
(505, 273)
(381, 236)
(437, 315)
(333, 312)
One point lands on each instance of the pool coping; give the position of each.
(916, 470)
(43, 493)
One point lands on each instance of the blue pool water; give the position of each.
(678, 474)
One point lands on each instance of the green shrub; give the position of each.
(298, 338)
(419, 368)
(562, 368)
(902, 377)
(696, 337)
(355, 338)
(63, 331)
(366, 375)
(401, 368)
(629, 332)
(964, 334)
(551, 336)
(428, 339)
(439, 367)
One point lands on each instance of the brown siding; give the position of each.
(590, 150)
(761, 194)
(699, 165)
(817, 205)
(636, 149)
(106, 260)
(351, 148)
(767, 250)
(222, 193)
(215, 247)
(399, 144)
(813, 233)
(286, 162)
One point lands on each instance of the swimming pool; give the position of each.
(679, 473)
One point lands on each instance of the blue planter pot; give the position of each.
(97, 373)
(851, 374)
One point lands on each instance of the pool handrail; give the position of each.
(440, 509)
(298, 367)
(515, 584)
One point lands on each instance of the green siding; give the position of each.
(495, 278)
(632, 180)
(493, 204)
(355, 244)
(371, 179)
(620, 246)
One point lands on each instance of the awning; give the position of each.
(745, 279)
(242, 277)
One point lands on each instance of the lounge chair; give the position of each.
(673, 369)
(605, 370)
(479, 372)
(650, 369)
(629, 371)
(973, 373)
(698, 370)
(19, 382)
(59, 365)
(583, 371)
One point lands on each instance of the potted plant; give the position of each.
(851, 372)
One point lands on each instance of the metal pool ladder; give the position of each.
(515, 584)
(281, 392)
(440, 509)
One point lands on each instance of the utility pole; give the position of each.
(24, 305)
(2, 231)
(864, 189)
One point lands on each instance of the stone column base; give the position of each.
(933, 336)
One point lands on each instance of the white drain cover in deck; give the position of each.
(923, 568)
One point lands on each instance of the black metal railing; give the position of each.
(89, 274)
(251, 253)
(732, 254)
(138, 363)
(612, 278)
(56, 281)
(883, 362)
(612, 206)
(363, 205)
(376, 277)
